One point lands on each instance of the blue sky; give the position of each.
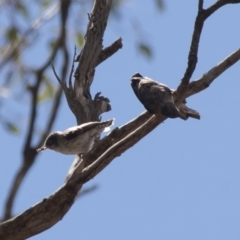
(180, 182)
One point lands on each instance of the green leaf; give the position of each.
(12, 34)
(46, 3)
(145, 49)
(52, 44)
(22, 9)
(80, 39)
(12, 127)
(47, 92)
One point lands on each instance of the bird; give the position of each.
(156, 97)
(76, 140)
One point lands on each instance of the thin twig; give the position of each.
(200, 5)
(109, 51)
(193, 52)
(207, 78)
(17, 47)
(55, 74)
(29, 152)
(72, 69)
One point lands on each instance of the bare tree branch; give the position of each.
(218, 4)
(52, 209)
(88, 60)
(107, 52)
(202, 15)
(207, 78)
(29, 159)
(29, 151)
(118, 148)
(21, 43)
(116, 135)
(41, 216)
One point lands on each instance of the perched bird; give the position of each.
(76, 140)
(156, 97)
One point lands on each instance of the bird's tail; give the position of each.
(171, 111)
(107, 124)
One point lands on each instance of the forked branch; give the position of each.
(201, 17)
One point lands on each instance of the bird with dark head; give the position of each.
(156, 97)
(76, 140)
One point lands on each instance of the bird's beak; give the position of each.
(41, 149)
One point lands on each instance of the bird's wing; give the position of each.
(154, 95)
(141, 87)
(148, 95)
(162, 93)
(73, 132)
